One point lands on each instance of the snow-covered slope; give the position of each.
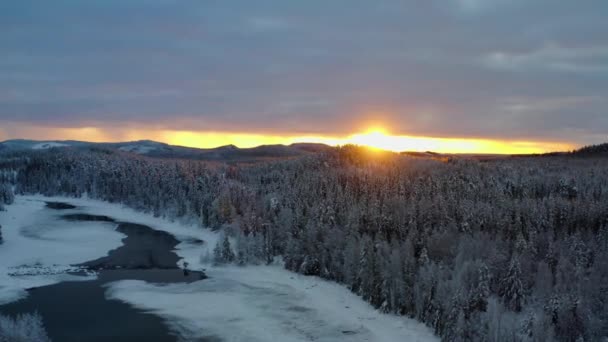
(22, 144)
(139, 149)
(228, 153)
(47, 145)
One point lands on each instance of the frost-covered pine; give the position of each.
(217, 254)
(500, 325)
(582, 254)
(23, 328)
(424, 257)
(520, 243)
(222, 253)
(227, 253)
(6, 194)
(351, 264)
(371, 278)
(481, 292)
(461, 330)
(603, 237)
(511, 287)
(543, 281)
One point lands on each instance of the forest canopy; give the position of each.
(510, 249)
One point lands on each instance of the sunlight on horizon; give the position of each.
(375, 137)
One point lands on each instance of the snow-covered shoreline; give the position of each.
(254, 303)
(39, 250)
(267, 303)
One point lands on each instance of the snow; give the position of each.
(187, 233)
(267, 303)
(139, 149)
(47, 145)
(39, 249)
(254, 303)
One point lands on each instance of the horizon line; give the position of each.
(288, 144)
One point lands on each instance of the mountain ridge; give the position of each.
(157, 149)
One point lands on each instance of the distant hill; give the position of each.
(426, 154)
(229, 153)
(592, 150)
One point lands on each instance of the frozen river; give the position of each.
(80, 311)
(98, 271)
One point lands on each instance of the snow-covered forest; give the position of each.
(512, 249)
(27, 327)
(6, 191)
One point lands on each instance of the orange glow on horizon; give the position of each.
(376, 137)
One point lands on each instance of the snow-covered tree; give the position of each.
(23, 328)
(501, 325)
(511, 287)
(227, 253)
(223, 253)
(6, 193)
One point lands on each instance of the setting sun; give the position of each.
(376, 138)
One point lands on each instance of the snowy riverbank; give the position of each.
(256, 303)
(38, 249)
(268, 303)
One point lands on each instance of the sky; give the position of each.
(446, 75)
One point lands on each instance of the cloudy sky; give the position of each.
(513, 70)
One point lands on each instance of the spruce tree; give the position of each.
(218, 257)
(227, 253)
(511, 287)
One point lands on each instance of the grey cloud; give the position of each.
(433, 68)
(552, 57)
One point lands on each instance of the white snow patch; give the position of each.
(47, 145)
(190, 235)
(39, 249)
(267, 303)
(139, 149)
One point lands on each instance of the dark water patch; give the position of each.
(87, 217)
(194, 241)
(349, 332)
(298, 308)
(80, 311)
(59, 206)
(143, 248)
(157, 276)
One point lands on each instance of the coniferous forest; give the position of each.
(505, 249)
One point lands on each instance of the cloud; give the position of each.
(552, 57)
(260, 23)
(316, 67)
(480, 6)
